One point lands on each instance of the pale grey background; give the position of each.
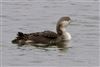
(38, 15)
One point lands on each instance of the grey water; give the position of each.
(38, 15)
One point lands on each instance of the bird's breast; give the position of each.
(66, 36)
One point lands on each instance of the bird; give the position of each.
(46, 38)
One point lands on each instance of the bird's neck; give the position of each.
(60, 30)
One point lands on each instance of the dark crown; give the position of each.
(65, 19)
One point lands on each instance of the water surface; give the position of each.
(32, 16)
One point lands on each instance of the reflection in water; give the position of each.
(62, 45)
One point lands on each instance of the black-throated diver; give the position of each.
(46, 37)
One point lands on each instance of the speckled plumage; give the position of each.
(46, 37)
